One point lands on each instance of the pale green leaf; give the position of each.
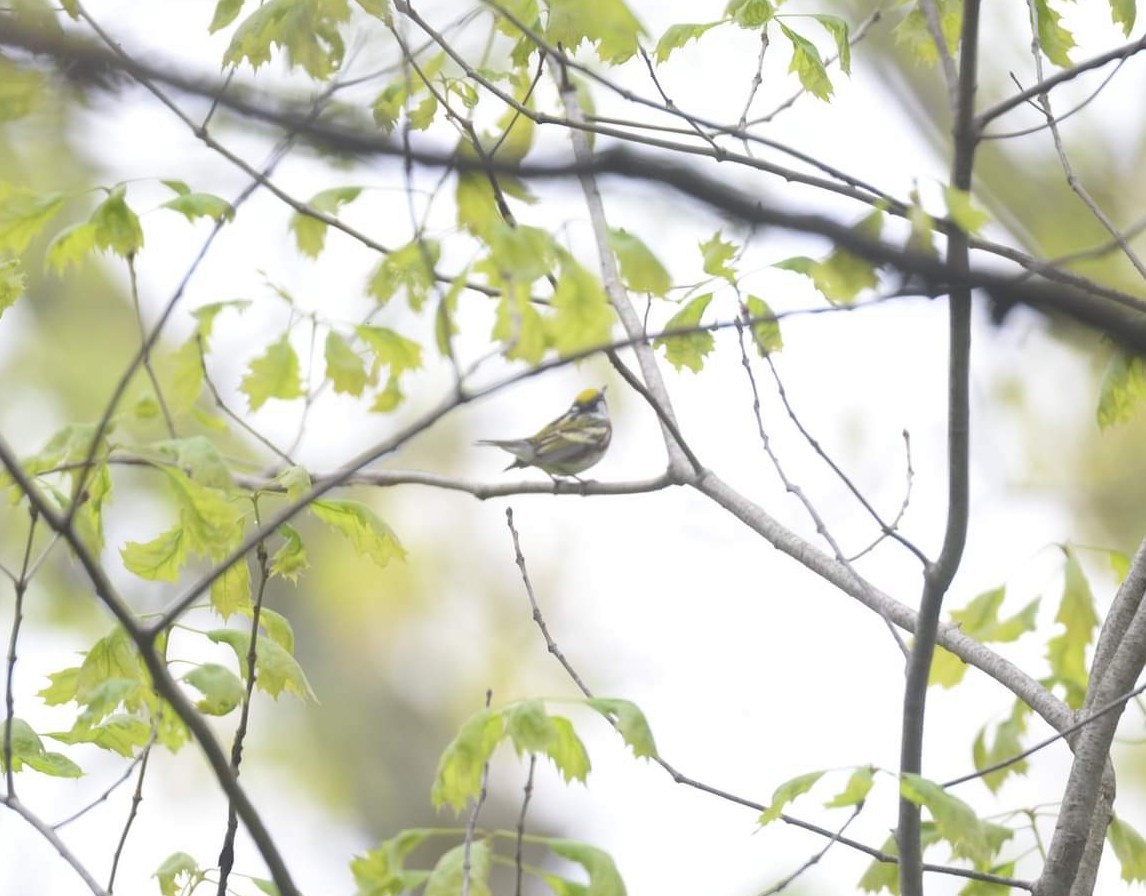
(344, 368)
(1129, 848)
(11, 283)
(362, 526)
(604, 878)
(178, 874)
(274, 374)
(688, 349)
(808, 65)
(676, 36)
(290, 559)
(201, 205)
(786, 792)
(630, 723)
(607, 24)
(1054, 40)
(278, 671)
(160, 559)
(856, 790)
(1123, 389)
(221, 688)
(640, 268)
(583, 317)
(765, 328)
(963, 211)
(717, 253)
(460, 767)
(23, 214)
(457, 864)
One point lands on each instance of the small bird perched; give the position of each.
(568, 445)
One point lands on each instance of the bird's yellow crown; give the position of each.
(588, 397)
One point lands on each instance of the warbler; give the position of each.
(568, 445)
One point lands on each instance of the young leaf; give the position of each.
(677, 36)
(689, 349)
(116, 225)
(640, 268)
(1123, 389)
(838, 29)
(309, 231)
(459, 863)
(1067, 650)
(750, 14)
(583, 317)
(608, 24)
(360, 524)
(276, 627)
(231, 592)
(221, 688)
(567, 751)
(345, 370)
(274, 374)
(1129, 848)
(175, 866)
(604, 878)
(529, 726)
(120, 734)
(391, 349)
(765, 332)
(787, 792)
(201, 205)
(808, 66)
(858, 787)
(963, 211)
(1123, 12)
(290, 559)
(158, 560)
(23, 214)
(460, 767)
(955, 821)
(1054, 40)
(717, 252)
(225, 13)
(630, 723)
(1006, 744)
(70, 245)
(306, 29)
(211, 522)
(11, 283)
(278, 671)
(912, 32)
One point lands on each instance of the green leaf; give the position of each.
(717, 252)
(529, 726)
(226, 11)
(231, 592)
(422, 115)
(477, 206)
(963, 211)
(62, 688)
(677, 36)
(583, 317)
(306, 29)
(607, 24)
(912, 32)
(71, 245)
(630, 723)
(277, 670)
(567, 751)
(116, 225)
(1067, 651)
(750, 14)
(28, 750)
(855, 792)
(23, 214)
(11, 283)
(380, 9)
(841, 276)
(158, 560)
(197, 456)
(451, 869)
(411, 268)
(177, 865)
(290, 559)
(460, 767)
(1129, 848)
(221, 688)
(211, 522)
(519, 327)
(309, 231)
(201, 205)
(345, 370)
(1007, 743)
(112, 658)
(518, 254)
(807, 65)
(955, 821)
(640, 268)
(1054, 40)
(980, 618)
(380, 872)
(1123, 12)
(604, 878)
(20, 91)
(1122, 390)
(362, 526)
(787, 792)
(296, 481)
(274, 374)
(765, 332)
(391, 349)
(277, 628)
(689, 349)
(838, 29)
(120, 734)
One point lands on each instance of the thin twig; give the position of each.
(471, 822)
(20, 587)
(145, 350)
(783, 884)
(136, 799)
(519, 845)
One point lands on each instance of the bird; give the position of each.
(569, 445)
